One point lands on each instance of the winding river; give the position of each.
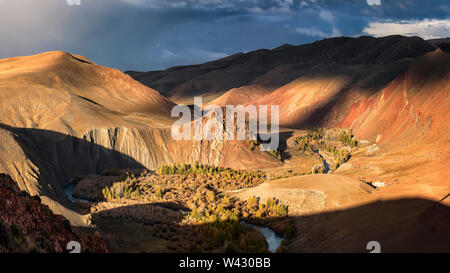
(68, 193)
(272, 238)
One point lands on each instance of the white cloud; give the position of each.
(427, 29)
(326, 15)
(311, 32)
(192, 55)
(374, 2)
(304, 4)
(208, 55)
(314, 32)
(167, 54)
(336, 32)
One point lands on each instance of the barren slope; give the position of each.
(241, 95)
(61, 92)
(274, 68)
(313, 193)
(62, 117)
(405, 119)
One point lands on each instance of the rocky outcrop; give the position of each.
(44, 162)
(26, 225)
(63, 116)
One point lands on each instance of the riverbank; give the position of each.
(183, 213)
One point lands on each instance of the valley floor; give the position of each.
(197, 208)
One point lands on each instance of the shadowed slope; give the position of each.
(274, 68)
(403, 225)
(333, 213)
(62, 116)
(408, 107)
(443, 44)
(26, 225)
(401, 109)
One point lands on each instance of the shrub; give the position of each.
(107, 194)
(16, 231)
(277, 154)
(125, 189)
(24, 194)
(226, 201)
(231, 248)
(281, 210)
(271, 202)
(253, 201)
(67, 225)
(6, 237)
(275, 208)
(210, 196)
(112, 172)
(346, 138)
(197, 249)
(252, 145)
(290, 232)
(159, 192)
(317, 169)
(198, 169)
(34, 250)
(315, 134)
(45, 244)
(37, 198)
(340, 156)
(304, 144)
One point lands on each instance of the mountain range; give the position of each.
(63, 117)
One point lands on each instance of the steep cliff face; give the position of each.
(44, 162)
(14, 161)
(63, 116)
(51, 106)
(28, 226)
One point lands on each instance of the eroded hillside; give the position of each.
(275, 68)
(63, 118)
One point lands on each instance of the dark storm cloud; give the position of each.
(392, 9)
(400, 9)
(155, 34)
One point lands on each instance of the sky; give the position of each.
(144, 35)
